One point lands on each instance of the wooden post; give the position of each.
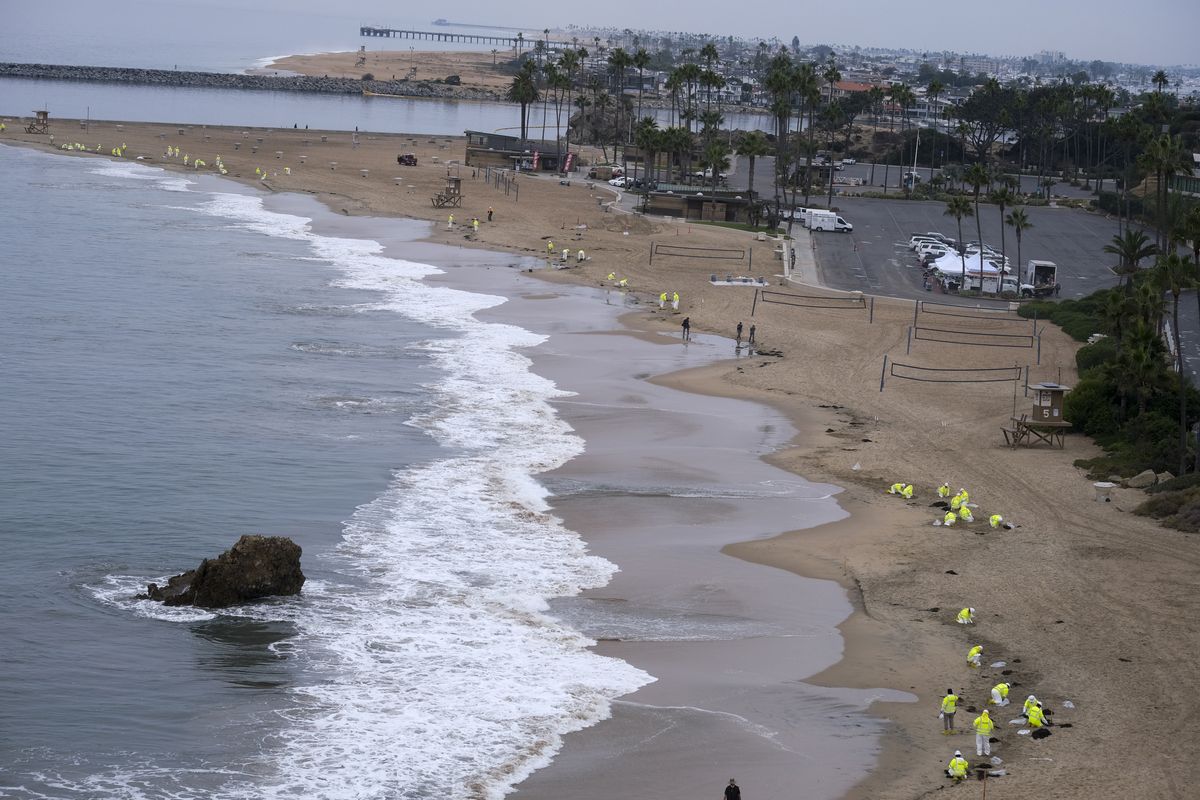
(754, 305)
(883, 372)
(916, 307)
(1039, 357)
(652, 254)
(871, 319)
(908, 347)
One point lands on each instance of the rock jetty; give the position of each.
(233, 80)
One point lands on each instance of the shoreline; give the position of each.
(1065, 591)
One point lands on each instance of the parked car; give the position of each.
(407, 160)
(849, 161)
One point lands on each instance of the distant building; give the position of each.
(512, 152)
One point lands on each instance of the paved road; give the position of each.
(1189, 334)
(872, 175)
(875, 258)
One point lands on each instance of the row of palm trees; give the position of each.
(603, 103)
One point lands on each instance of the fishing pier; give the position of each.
(431, 36)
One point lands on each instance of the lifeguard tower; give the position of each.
(1044, 422)
(451, 196)
(40, 123)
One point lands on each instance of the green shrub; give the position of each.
(1094, 355)
(1090, 406)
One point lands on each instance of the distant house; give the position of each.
(1188, 184)
(843, 88)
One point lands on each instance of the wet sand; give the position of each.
(668, 479)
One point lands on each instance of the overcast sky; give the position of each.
(1149, 32)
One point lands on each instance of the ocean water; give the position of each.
(183, 366)
(219, 36)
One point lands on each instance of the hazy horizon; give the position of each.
(1082, 29)
(1158, 33)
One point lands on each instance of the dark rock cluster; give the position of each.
(255, 567)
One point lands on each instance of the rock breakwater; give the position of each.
(241, 81)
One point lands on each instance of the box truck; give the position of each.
(1039, 279)
(828, 221)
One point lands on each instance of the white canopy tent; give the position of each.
(952, 264)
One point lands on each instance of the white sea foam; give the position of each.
(435, 670)
(141, 172)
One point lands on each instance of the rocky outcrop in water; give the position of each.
(233, 80)
(255, 567)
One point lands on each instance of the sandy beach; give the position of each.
(1083, 601)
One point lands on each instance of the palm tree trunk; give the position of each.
(1182, 388)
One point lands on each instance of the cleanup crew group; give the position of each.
(1033, 717)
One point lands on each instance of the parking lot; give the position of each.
(873, 177)
(875, 258)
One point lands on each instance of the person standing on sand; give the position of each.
(489, 213)
(675, 301)
(983, 733)
(687, 328)
(750, 340)
(739, 333)
(733, 791)
(949, 709)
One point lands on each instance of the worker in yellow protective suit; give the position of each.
(1030, 702)
(965, 514)
(966, 616)
(995, 520)
(1036, 717)
(957, 768)
(896, 488)
(983, 733)
(975, 655)
(944, 491)
(949, 519)
(949, 708)
(1000, 694)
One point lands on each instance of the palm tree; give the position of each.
(649, 140)
(755, 144)
(641, 60)
(618, 62)
(1174, 274)
(959, 207)
(978, 176)
(1019, 222)
(1160, 81)
(831, 75)
(524, 91)
(932, 93)
(1167, 156)
(1003, 198)
(1130, 247)
(716, 159)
